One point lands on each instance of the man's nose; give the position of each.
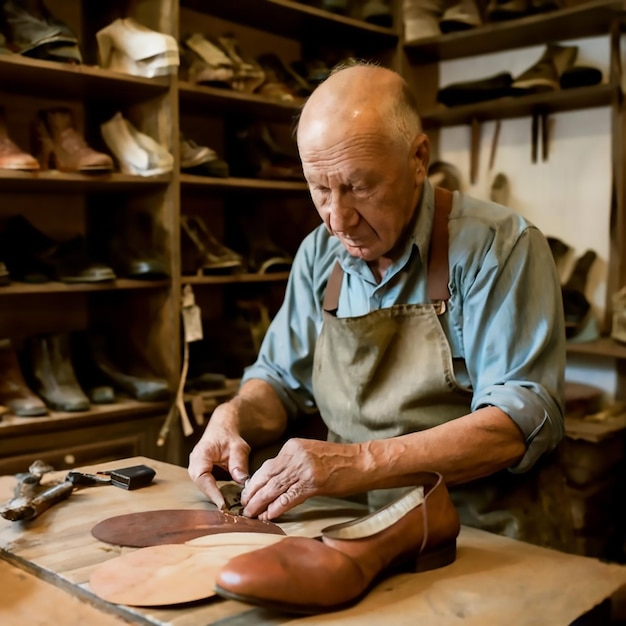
(342, 214)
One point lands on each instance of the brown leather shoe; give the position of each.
(302, 575)
(58, 145)
(11, 156)
(14, 392)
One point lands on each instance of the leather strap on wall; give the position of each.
(438, 267)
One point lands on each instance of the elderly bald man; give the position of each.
(425, 327)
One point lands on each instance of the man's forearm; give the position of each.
(262, 418)
(463, 449)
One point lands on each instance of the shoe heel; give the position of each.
(439, 557)
(42, 146)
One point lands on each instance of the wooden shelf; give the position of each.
(53, 180)
(297, 20)
(190, 182)
(524, 106)
(97, 414)
(227, 102)
(235, 278)
(603, 347)
(586, 20)
(57, 287)
(20, 74)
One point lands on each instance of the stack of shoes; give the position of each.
(248, 75)
(202, 253)
(430, 18)
(15, 394)
(128, 47)
(256, 154)
(136, 152)
(59, 145)
(12, 157)
(31, 30)
(201, 160)
(375, 12)
(33, 257)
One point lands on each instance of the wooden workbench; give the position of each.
(45, 566)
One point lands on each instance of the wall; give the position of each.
(568, 195)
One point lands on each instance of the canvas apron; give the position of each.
(390, 372)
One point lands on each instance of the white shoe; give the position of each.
(135, 152)
(146, 48)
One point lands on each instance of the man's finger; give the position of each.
(208, 486)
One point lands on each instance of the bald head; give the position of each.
(361, 99)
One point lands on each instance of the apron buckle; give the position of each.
(440, 307)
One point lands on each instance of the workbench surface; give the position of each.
(45, 566)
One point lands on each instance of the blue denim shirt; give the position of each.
(504, 320)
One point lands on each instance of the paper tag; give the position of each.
(192, 322)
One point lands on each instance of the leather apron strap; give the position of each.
(438, 265)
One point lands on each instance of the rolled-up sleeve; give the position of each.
(514, 338)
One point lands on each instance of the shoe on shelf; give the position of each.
(256, 154)
(376, 12)
(59, 145)
(576, 307)
(5, 276)
(471, 91)
(277, 72)
(12, 157)
(463, 15)
(248, 75)
(502, 10)
(201, 160)
(33, 31)
(14, 391)
(136, 152)
(416, 532)
(53, 374)
(202, 253)
(421, 19)
(138, 381)
(545, 74)
(3, 45)
(206, 63)
(70, 262)
(129, 47)
(580, 76)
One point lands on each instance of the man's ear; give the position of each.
(420, 149)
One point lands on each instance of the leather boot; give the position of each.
(545, 74)
(302, 575)
(576, 307)
(53, 373)
(11, 156)
(141, 385)
(58, 145)
(14, 392)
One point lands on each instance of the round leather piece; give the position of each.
(172, 526)
(169, 574)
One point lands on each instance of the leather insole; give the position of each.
(170, 526)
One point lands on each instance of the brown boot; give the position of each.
(14, 393)
(60, 146)
(302, 575)
(11, 156)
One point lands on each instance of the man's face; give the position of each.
(365, 188)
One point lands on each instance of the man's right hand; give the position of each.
(221, 445)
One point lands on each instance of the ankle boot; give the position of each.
(60, 146)
(53, 373)
(545, 74)
(143, 385)
(202, 252)
(302, 575)
(14, 392)
(11, 156)
(575, 304)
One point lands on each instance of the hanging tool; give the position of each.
(494, 144)
(475, 152)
